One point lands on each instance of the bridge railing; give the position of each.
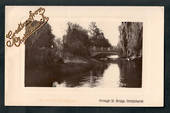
(103, 50)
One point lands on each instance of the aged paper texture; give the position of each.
(84, 56)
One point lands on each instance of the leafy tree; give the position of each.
(97, 37)
(94, 30)
(131, 35)
(38, 47)
(58, 46)
(76, 41)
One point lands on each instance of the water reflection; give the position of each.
(130, 73)
(89, 78)
(113, 56)
(121, 73)
(111, 77)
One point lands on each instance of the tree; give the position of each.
(58, 45)
(76, 41)
(131, 35)
(38, 47)
(97, 37)
(94, 30)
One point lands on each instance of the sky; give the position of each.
(60, 16)
(109, 28)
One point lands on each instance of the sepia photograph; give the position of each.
(92, 53)
(84, 56)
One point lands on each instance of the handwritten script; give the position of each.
(15, 40)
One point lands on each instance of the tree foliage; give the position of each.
(76, 40)
(97, 37)
(130, 39)
(38, 47)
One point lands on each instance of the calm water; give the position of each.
(121, 73)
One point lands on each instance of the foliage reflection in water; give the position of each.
(121, 74)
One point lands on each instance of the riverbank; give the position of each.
(74, 74)
(76, 65)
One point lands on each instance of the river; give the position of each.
(110, 74)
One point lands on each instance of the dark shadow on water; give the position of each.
(130, 73)
(73, 75)
(84, 75)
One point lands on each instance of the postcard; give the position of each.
(84, 56)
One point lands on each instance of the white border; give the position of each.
(153, 57)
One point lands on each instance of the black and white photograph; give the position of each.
(84, 56)
(93, 53)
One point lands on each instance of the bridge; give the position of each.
(102, 54)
